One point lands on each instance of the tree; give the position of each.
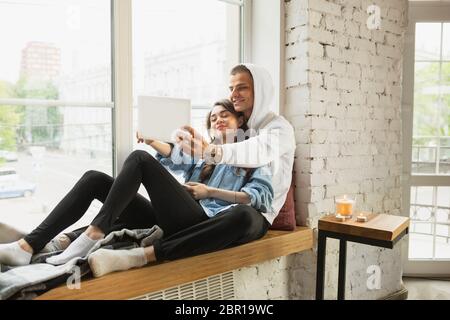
(9, 119)
(41, 125)
(431, 104)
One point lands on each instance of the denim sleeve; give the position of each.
(259, 188)
(177, 161)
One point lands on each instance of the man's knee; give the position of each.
(244, 216)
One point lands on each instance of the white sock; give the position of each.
(12, 254)
(104, 261)
(79, 248)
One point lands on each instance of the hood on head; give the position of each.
(263, 90)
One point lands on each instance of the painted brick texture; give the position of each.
(343, 97)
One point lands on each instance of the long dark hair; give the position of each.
(228, 105)
(208, 169)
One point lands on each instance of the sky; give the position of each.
(81, 28)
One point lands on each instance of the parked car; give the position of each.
(16, 188)
(8, 174)
(9, 156)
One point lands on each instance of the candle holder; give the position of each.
(345, 206)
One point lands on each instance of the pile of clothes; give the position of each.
(28, 282)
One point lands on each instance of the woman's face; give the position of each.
(223, 121)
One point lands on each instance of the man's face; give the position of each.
(241, 93)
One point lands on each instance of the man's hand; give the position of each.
(192, 142)
(140, 139)
(197, 190)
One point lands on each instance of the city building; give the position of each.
(40, 61)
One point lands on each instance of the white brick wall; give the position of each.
(343, 89)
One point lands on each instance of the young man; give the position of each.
(272, 138)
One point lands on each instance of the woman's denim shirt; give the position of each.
(258, 186)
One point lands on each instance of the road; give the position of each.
(54, 174)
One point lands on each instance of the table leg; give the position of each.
(342, 267)
(320, 274)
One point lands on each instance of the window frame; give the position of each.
(122, 59)
(419, 11)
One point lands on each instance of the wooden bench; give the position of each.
(137, 282)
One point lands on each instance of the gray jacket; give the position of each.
(26, 282)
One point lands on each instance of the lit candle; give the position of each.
(361, 218)
(344, 206)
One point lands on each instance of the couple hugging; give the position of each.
(234, 188)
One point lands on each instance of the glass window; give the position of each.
(185, 49)
(430, 223)
(428, 40)
(431, 127)
(446, 42)
(55, 102)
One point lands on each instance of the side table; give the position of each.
(381, 230)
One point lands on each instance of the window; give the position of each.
(429, 212)
(431, 128)
(184, 49)
(55, 102)
(430, 227)
(426, 138)
(58, 117)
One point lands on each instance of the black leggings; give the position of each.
(187, 229)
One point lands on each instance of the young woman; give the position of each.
(193, 216)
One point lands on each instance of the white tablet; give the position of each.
(160, 117)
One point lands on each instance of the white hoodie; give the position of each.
(272, 141)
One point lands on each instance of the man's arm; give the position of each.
(268, 146)
(273, 141)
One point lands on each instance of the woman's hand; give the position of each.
(197, 190)
(141, 139)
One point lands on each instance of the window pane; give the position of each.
(424, 196)
(428, 41)
(420, 246)
(430, 223)
(444, 157)
(193, 55)
(443, 246)
(431, 127)
(446, 43)
(443, 197)
(443, 226)
(63, 54)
